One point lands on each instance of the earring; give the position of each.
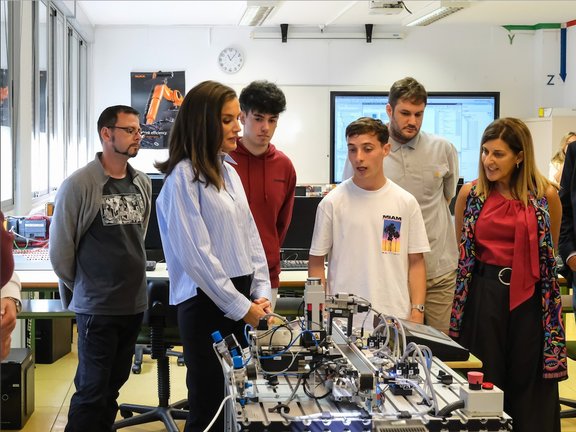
(517, 165)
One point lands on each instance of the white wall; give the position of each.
(454, 58)
(548, 132)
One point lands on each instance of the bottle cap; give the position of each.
(238, 362)
(216, 336)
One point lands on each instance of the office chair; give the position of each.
(143, 348)
(160, 318)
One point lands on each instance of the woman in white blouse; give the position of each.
(216, 263)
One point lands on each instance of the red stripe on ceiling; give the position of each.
(571, 23)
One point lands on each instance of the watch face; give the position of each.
(230, 60)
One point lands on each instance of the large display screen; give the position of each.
(459, 117)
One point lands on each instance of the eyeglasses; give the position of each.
(128, 130)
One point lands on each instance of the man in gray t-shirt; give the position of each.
(97, 250)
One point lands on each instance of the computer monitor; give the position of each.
(153, 241)
(299, 236)
(460, 117)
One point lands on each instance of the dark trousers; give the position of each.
(198, 318)
(105, 350)
(510, 345)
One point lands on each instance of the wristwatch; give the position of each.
(17, 302)
(419, 307)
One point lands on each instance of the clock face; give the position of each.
(230, 60)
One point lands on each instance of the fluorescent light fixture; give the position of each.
(326, 33)
(256, 12)
(446, 8)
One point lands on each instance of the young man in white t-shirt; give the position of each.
(372, 231)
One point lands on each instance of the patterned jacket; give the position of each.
(554, 349)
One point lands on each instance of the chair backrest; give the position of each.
(159, 308)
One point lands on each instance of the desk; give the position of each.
(39, 280)
(293, 279)
(44, 308)
(35, 280)
(33, 309)
(46, 280)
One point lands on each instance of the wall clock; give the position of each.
(230, 60)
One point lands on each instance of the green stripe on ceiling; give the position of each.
(540, 26)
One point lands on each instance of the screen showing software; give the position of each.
(459, 117)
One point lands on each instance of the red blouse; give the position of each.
(507, 236)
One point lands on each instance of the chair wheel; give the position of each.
(136, 368)
(126, 414)
(180, 361)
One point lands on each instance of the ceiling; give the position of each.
(321, 13)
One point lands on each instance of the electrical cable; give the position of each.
(444, 412)
(217, 413)
(413, 347)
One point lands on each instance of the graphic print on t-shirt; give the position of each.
(391, 234)
(122, 209)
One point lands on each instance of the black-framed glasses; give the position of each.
(128, 130)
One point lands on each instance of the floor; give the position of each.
(54, 388)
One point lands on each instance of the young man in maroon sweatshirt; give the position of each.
(267, 174)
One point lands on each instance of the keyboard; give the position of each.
(32, 259)
(296, 265)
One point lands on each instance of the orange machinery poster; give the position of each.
(157, 96)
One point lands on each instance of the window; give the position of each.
(72, 155)
(6, 98)
(76, 149)
(56, 155)
(60, 125)
(83, 154)
(39, 145)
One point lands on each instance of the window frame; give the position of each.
(11, 9)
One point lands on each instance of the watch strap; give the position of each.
(419, 307)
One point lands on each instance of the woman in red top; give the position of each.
(507, 297)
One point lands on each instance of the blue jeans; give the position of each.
(105, 350)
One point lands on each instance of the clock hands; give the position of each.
(230, 60)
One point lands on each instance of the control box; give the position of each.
(33, 228)
(483, 402)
